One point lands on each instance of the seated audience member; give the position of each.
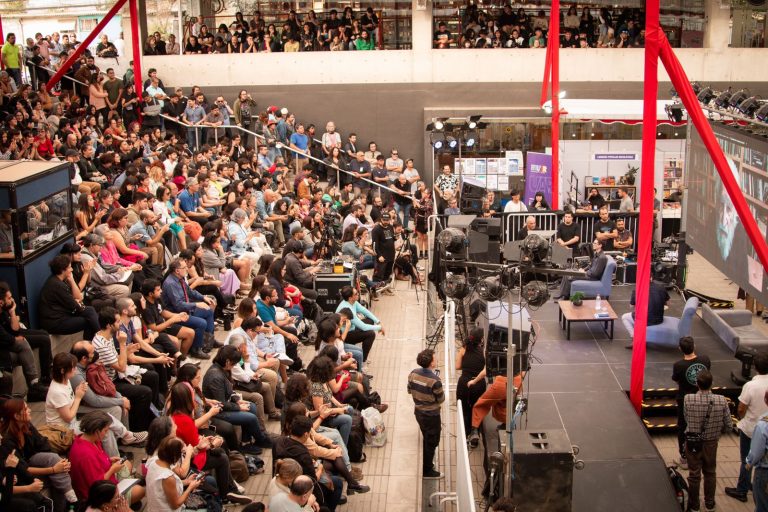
(178, 297)
(210, 456)
(91, 463)
(332, 331)
(539, 203)
(217, 385)
(127, 379)
(364, 323)
(568, 232)
(286, 471)
(214, 263)
(288, 296)
(494, 400)
(114, 280)
(207, 284)
(298, 271)
(128, 250)
(262, 381)
(37, 463)
(189, 201)
(147, 234)
(104, 496)
(268, 314)
(161, 320)
(293, 446)
(116, 405)
(594, 271)
(530, 225)
(28, 339)
(165, 489)
(61, 303)
(515, 205)
(299, 496)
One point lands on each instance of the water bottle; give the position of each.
(598, 303)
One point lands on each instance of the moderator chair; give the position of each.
(592, 289)
(669, 332)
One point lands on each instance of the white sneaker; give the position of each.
(284, 359)
(240, 488)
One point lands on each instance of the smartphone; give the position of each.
(201, 476)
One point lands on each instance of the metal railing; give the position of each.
(279, 146)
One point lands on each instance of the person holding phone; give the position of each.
(166, 491)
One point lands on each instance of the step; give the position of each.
(660, 423)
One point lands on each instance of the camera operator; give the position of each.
(405, 250)
(383, 241)
(299, 271)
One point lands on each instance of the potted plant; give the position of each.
(577, 298)
(629, 176)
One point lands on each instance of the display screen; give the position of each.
(713, 226)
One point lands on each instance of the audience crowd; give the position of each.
(180, 234)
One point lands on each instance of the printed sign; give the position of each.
(615, 156)
(538, 176)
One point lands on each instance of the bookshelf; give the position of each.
(609, 192)
(673, 175)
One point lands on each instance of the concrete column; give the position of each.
(422, 26)
(717, 32)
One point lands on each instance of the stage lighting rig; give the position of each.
(534, 249)
(490, 289)
(471, 139)
(674, 112)
(761, 114)
(535, 293)
(437, 139)
(737, 98)
(452, 240)
(455, 286)
(722, 99)
(705, 95)
(452, 142)
(748, 106)
(437, 125)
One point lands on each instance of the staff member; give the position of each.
(383, 241)
(757, 459)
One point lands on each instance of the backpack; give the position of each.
(238, 466)
(356, 440)
(98, 380)
(680, 485)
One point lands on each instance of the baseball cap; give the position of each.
(385, 216)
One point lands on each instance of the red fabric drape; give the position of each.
(547, 74)
(554, 43)
(645, 234)
(136, 45)
(699, 120)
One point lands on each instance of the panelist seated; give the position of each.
(594, 271)
(657, 299)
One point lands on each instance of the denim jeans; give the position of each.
(367, 262)
(760, 490)
(342, 423)
(745, 475)
(199, 326)
(249, 423)
(357, 353)
(405, 210)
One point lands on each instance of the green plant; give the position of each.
(577, 297)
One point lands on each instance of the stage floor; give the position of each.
(581, 385)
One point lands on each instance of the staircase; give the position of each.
(659, 407)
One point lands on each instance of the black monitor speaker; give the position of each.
(543, 468)
(472, 189)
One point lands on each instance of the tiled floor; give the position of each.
(390, 471)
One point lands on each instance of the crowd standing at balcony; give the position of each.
(584, 28)
(186, 225)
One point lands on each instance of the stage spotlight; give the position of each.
(722, 99)
(455, 286)
(452, 240)
(762, 113)
(696, 87)
(437, 125)
(737, 98)
(705, 95)
(472, 123)
(471, 139)
(674, 112)
(489, 289)
(534, 249)
(452, 142)
(437, 140)
(748, 106)
(535, 293)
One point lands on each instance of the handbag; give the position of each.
(60, 438)
(99, 381)
(694, 441)
(252, 386)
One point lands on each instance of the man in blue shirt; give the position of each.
(189, 200)
(268, 314)
(364, 329)
(193, 114)
(758, 459)
(178, 296)
(300, 143)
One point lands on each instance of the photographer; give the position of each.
(298, 271)
(383, 241)
(404, 268)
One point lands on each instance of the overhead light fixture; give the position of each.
(437, 139)
(452, 142)
(561, 95)
(705, 95)
(737, 98)
(696, 87)
(722, 99)
(470, 139)
(547, 106)
(438, 124)
(761, 114)
(674, 112)
(748, 106)
(472, 123)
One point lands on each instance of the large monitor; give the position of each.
(712, 225)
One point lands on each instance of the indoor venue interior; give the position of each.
(234, 279)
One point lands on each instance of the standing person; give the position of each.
(709, 415)
(471, 385)
(426, 388)
(684, 372)
(11, 58)
(757, 459)
(383, 241)
(751, 408)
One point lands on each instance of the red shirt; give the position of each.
(89, 463)
(187, 432)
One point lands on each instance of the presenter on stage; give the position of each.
(594, 272)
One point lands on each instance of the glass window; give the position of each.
(44, 222)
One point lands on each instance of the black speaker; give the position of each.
(328, 288)
(472, 190)
(543, 466)
(471, 205)
(491, 226)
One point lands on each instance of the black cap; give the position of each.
(385, 216)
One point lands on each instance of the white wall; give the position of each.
(450, 66)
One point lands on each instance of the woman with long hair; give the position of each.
(118, 224)
(470, 359)
(38, 463)
(210, 456)
(165, 489)
(319, 372)
(424, 206)
(214, 263)
(86, 215)
(163, 208)
(205, 283)
(91, 463)
(288, 296)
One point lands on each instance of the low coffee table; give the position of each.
(585, 313)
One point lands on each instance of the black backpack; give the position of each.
(356, 440)
(680, 486)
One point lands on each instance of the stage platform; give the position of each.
(581, 385)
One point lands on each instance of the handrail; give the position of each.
(280, 145)
(53, 71)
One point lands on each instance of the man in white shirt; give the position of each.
(394, 165)
(244, 374)
(751, 408)
(515, 205)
